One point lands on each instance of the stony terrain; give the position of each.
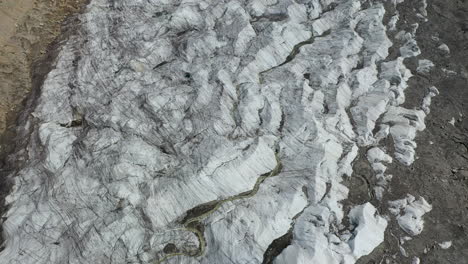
(441, 171)
(246, 132)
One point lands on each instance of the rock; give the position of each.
(444, 48)
(424, 66)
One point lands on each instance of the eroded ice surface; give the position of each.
(424, 66)
(409, 213)
(445, 244)
(202, 131)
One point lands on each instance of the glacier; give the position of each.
(183, 131)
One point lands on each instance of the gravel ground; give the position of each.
(440, 174)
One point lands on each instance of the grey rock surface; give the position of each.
(439, 173)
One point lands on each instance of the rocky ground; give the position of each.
(440, 174)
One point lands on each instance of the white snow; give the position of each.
(423, 7)
(452, 121)
(428, 99)
(424, 66)
(445, 244)
(370, 229)
(377, 157)
(410, 48)
(405, 124)
(194, 103)
(403, 251)
(449, 72)
(404, 239)
(409, 213)
(393, 22)
(443, 47)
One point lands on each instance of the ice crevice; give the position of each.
(192, 221)
(296, 49)
(213, 132)
(279, 244)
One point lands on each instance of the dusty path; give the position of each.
(27, 27)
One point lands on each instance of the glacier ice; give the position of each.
(424, 66)
(409, 213)
(445, 244)
(444, 48)
(202, 131)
